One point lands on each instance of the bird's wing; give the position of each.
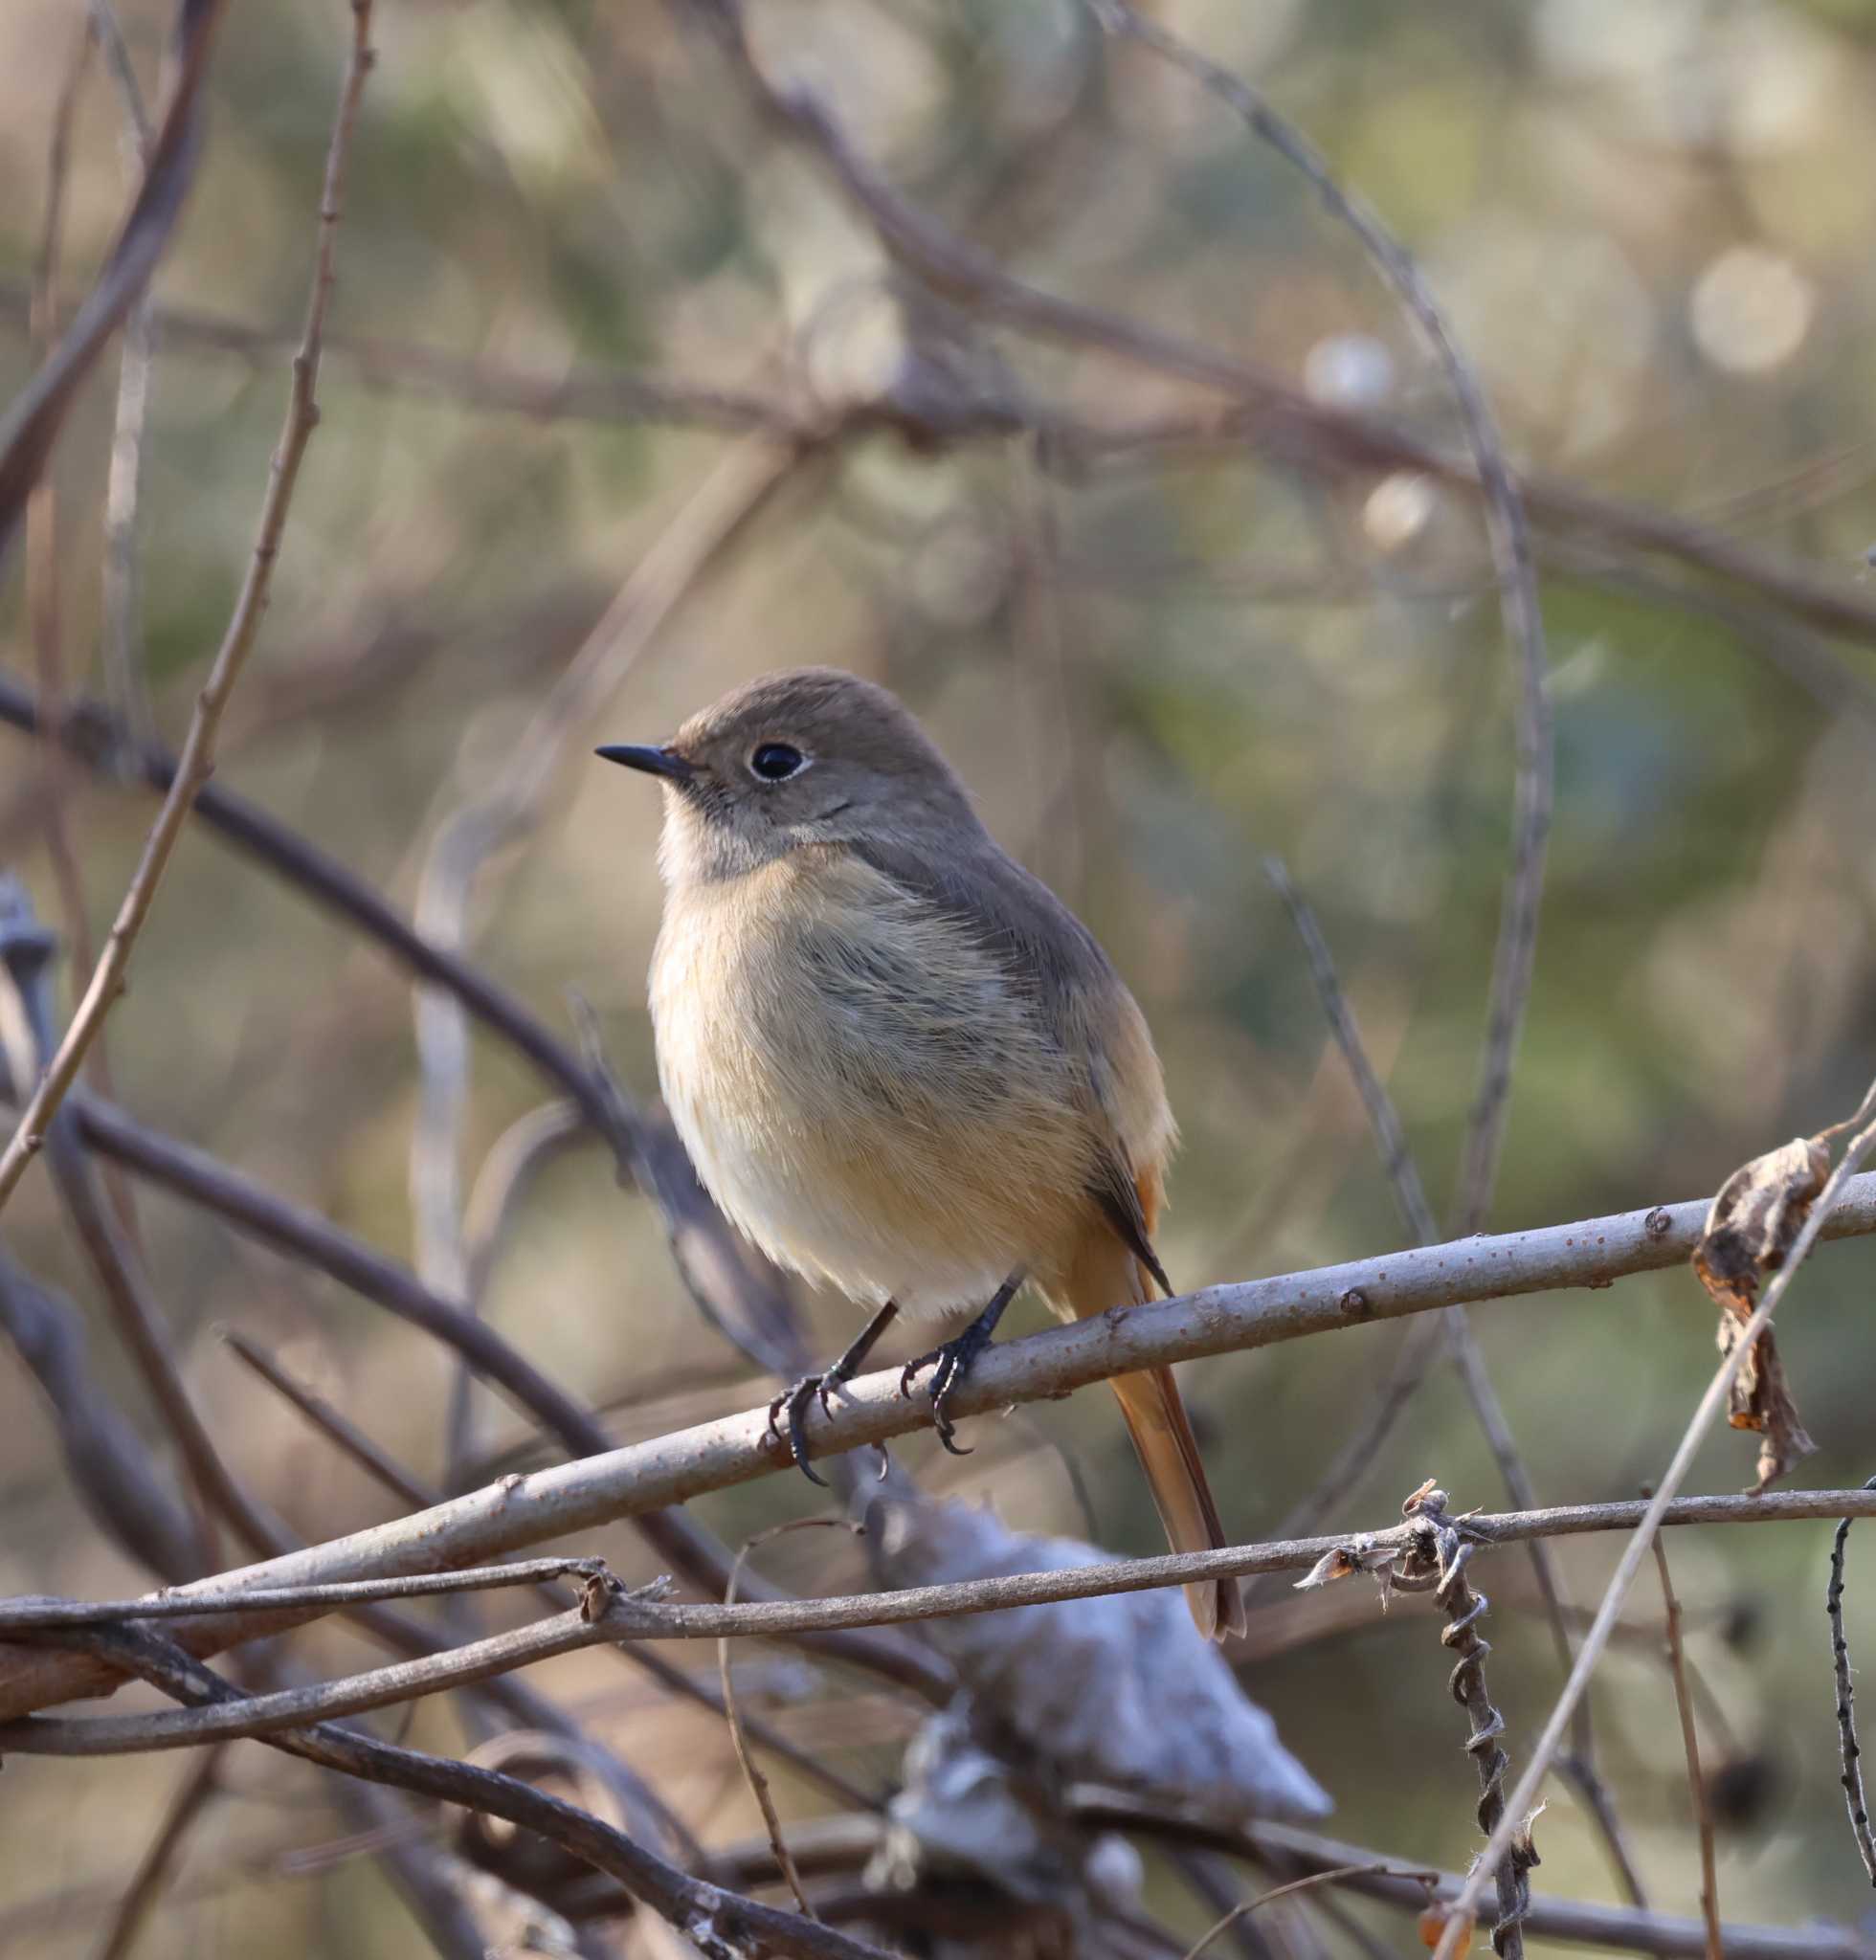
(1075, 995)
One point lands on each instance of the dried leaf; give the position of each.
(1749, 1227)
(1411, 1508)
(1338, 1563)
(1760, 1399)
(1432, 1926)
(1757, 1213)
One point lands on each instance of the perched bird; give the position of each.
(901, 1065)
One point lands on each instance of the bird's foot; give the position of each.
(791, 1408)
(948, 1365)
(793, 1402)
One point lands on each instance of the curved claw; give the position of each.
(794, 1399)
(949, 1364)
(946, 1432)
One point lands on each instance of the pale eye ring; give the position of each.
(776, 762)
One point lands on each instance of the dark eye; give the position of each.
(774, 762)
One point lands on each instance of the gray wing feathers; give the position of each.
(1057, 962)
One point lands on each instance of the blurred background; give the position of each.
(1153, 661)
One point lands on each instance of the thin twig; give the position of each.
(1283, 421)
(122, 634)
(1508, 530)
(1390, 1137)
(380, 1464)
(710, 520)
(44, 585)
(118, 1482)
(1622, 1928)
(515, 1159)
(340, 1428)
(752, 1769)
(45, 596)
(30, 425)
(1332, 1876)
(190, 1799)
(144, 1330)
(1413, 1357)
(1636, 1548)
(1703, 1814)
(28, 1611)
(1849, 1749)
(108, 33)
(197, 761)
(380, 1688)
(688, 1688)
(604, 395)
(215, 1614)
(1439, 1558)
(114, 1261)
(671, 1534)
(720, 1924)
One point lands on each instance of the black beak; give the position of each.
(654, 761)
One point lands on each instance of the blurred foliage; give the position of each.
(1651, 227)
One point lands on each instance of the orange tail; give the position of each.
(1108, 1275)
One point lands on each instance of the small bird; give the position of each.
(901, 1065)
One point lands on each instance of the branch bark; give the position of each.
(222, 1623)
(668, 1470)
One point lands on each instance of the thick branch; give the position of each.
(628, 1483)
(598, 1489)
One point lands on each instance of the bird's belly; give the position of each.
(853, 1224)
(845, 1150)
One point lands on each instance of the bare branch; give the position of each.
(1441, 1558)
(120, 1484)
(752, 1769)
(123, 627)
(1332, 1876)
(1849, 1749)
(1614, 1929)
(377, 1463)
(318, 1411)
(30, 427)
(711, 518)
(27, 1613)
(515, 1158)
(630, 1481)
(1636, 1548)
(404, 1680)
(215, 1615)
(107, 979)
(1703, 1814)
(1415, 1354)
(1510, 535)
(720, 1924)
(190, 1799)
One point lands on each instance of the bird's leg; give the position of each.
(951, 1363)
(836, 1374)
